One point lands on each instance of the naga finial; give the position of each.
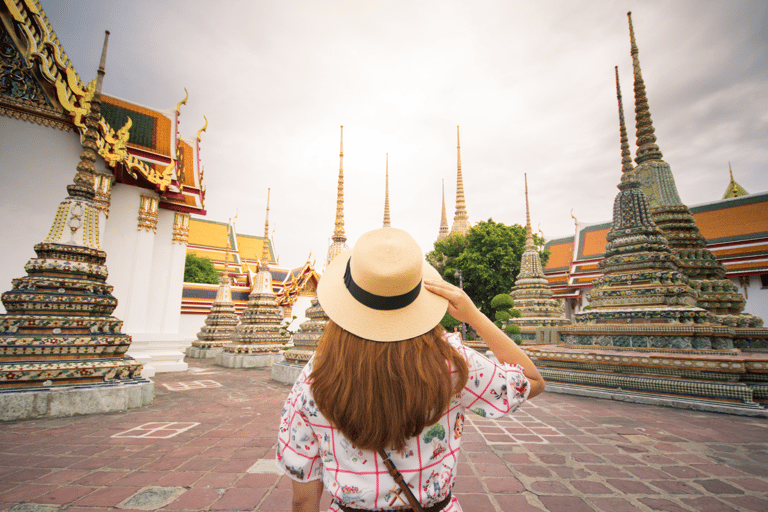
(182, 102)
(203, 129)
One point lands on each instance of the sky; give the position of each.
(531, 84)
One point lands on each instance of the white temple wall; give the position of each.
(167, 278)
(36, 165)
(190, 324)
(129, 252)
(756, 296)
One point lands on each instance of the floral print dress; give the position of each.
(309, 447)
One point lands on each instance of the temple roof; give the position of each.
(140, 152)
(736, 230)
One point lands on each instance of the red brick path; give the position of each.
(213, 445)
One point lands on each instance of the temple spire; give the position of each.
(627, 169)
(443, 219)
(338, 244)
(647, 149)
(460, 219)
(386, 196)
(338, 229)
(528, 231)
(265, 246)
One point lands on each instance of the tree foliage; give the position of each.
(199, 270)
(489, 259)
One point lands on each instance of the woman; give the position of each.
(386, 376)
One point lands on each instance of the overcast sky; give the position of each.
(530, 83)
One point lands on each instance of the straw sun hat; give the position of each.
(376, 290)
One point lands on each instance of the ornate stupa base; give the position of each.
(204, 350)
(286, 372)
(62, 401)
(727, 381)
(246, 360)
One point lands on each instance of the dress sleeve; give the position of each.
(298, 454)
(493, 389)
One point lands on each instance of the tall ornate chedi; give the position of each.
(460, 219)
(259, 332)
(641, 281)
(221, 319)
(706, 274)
(305, 339)
(642, 338)
(386, 196)
(58, 330)
(443, 220)
(531, 293)
(339, 239)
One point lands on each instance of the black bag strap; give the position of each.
(393, 471)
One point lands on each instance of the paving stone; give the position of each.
(565, 504)
(662, 505)
(27, 492)
(533, 471)
(719, 487)
(587, 487)
(499, 470)
(217, 480)
(748, 502)
(682, 471)
(514, 503)
(751, 484)
(194, 499)
(278, 501)
(64, 476)
(239, 499)
(476, 502)
(33, 507)
(630, 486)
(503, 485)
(152, 498)
(107, 497)
(467, 484)
(180, 478)
(98, 478)
(707, 504)
(613, 504)
(549, 487)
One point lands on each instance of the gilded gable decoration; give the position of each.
(148, 213)
(180, 227)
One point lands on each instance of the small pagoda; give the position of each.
(221, 319)
(706, 274)
(61, 353)
(306, 338)
(260, 335)
(532, 296)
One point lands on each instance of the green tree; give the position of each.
(199, 270)
(489, 259)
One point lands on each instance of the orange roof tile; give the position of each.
(560, 255)
(733, 220)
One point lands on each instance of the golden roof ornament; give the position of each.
(460, 219)
(386, 196)
(182, 102)
(734, 189)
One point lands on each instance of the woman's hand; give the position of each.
(460, 306)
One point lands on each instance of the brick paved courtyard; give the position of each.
(208, 441)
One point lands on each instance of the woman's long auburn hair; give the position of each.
(381, 394)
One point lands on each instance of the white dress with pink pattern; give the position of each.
(309, 447)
